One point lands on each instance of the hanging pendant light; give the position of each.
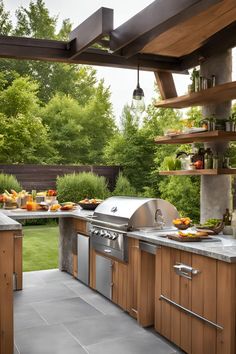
(138, 105)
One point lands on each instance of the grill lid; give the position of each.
(132, 213)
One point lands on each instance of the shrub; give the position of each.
(74, 187)
(123, 187)
(9, 182)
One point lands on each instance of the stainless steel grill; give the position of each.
(117, 215)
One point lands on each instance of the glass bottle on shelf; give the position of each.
(208, 159)
(215, 161)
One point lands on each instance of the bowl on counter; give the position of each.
(182, 226)
(182, 223)
(88, 206)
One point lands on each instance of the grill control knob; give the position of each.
(102, 233)
(106, 234)
(96, 232)
(114, 236)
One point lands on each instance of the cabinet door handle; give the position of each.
(185, 271)
(191, 313)
(134, 310)
(107, 251)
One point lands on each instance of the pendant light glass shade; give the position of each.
(138, 105)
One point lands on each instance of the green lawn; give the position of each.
(40, 247)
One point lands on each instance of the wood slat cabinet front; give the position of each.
(120, 284)
(133, 272)
(201, 289)
(6, 291)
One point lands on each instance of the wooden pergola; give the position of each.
(167, 35)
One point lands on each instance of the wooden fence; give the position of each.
(42, 177)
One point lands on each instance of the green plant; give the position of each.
(74, 187)
(123, 186)
(170, 163)
(9, 182)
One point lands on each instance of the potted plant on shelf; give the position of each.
(230, 124)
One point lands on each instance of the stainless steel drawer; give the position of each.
(148, 247)
(108, 251)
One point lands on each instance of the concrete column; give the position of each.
(67, 243)
(216, 190)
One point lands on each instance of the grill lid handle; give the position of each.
(104, 223)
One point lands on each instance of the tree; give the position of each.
(19, 98)
(184, 193)
(61, 115)
(25, 140)
(133, 149)
(5, 22)
(36, 21)
(79, 133)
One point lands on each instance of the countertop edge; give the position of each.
(220, 251)
(193, 247)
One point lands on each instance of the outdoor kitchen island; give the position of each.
(187, 291)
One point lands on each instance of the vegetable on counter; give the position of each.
(211, 222)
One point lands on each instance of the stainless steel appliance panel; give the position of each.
(104, 276)
(83, 258)
(148, 247)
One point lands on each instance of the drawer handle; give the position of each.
(191, 313)
(134, 310)
(107, 251)
(185, 270)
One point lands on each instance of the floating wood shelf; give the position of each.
(217, 94)
(211, 172)
(215, 135)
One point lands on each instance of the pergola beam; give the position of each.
(91, 30)
(155, 19)
(57, 51)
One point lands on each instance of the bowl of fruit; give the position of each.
(182, 223)
(89, 204)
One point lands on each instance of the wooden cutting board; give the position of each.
(187, 239)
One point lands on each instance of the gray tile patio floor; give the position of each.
(56, 314)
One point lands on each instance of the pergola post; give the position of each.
(216, 190)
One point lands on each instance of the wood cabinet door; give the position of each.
(204, 304)
(146, 289)
(170, 321)
(81, 226)
(120, 284)
(6, 292)
(226, 307)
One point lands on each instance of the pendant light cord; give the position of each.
(138, 77)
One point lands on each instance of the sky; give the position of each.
(122, 82)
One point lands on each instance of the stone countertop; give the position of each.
(8, 224)
(222, 248)
(8, 217)
(20, 214)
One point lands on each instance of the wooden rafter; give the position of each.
(155, 19)
(91, 30)
(218, 43)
